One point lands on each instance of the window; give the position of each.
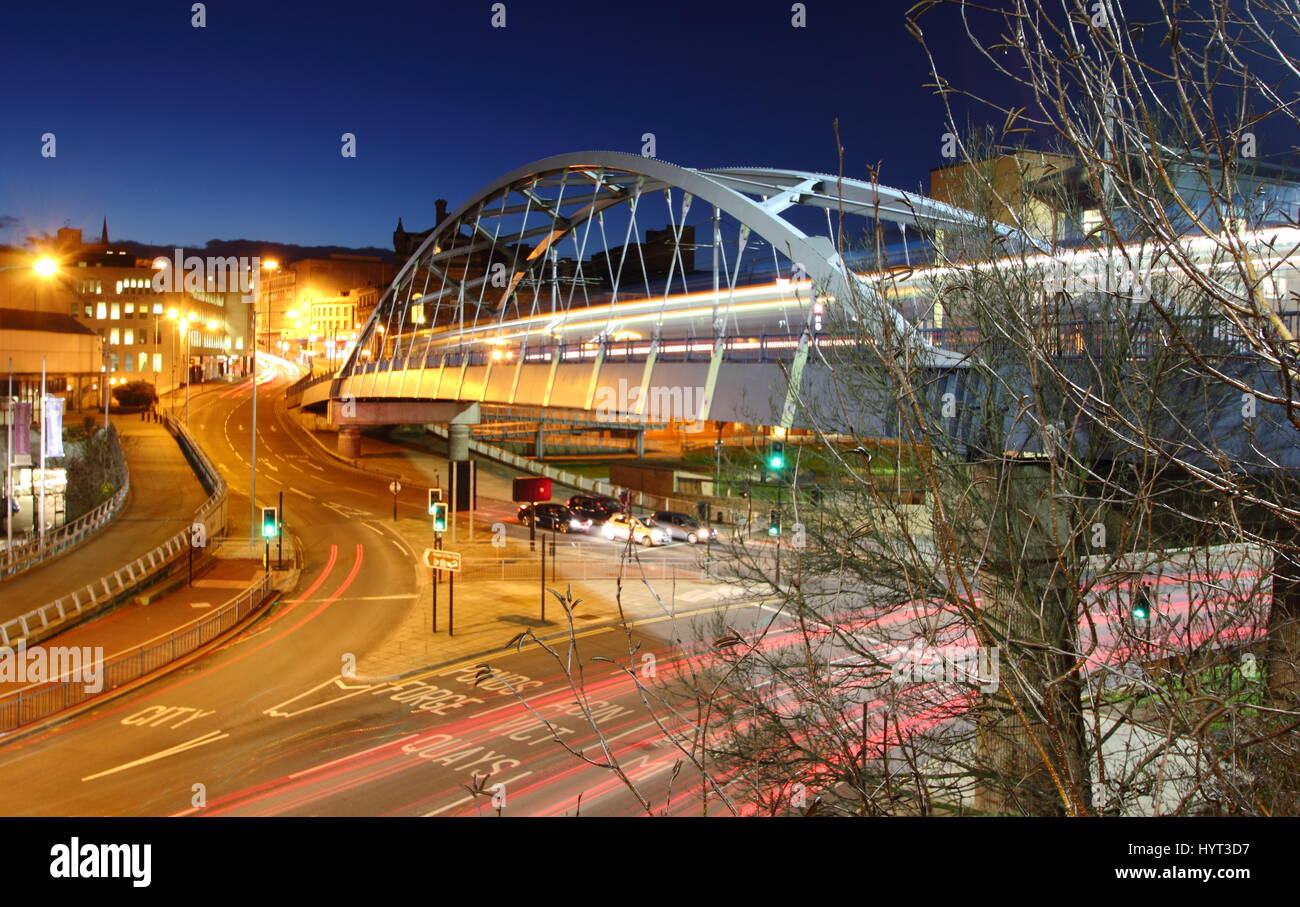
(144, 362)
(129, 308)
(142, 337)
(130, 363)
(101, 310)
(157, 362)
(128, 336)
(157, 308)
(114, 336)
(114, 311)
(89, 309)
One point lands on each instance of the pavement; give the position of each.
(164, 495)
(129, 626)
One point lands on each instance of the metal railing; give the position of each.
(61, 612)
(40, 701)
(570, 566)
(30, 553)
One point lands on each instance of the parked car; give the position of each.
(554, 516)
(620, 525)
(680, 526)
(595, 507)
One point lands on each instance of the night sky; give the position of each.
(180, 134)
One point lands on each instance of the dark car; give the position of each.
(554, 516)
(594, 507)
(680, 526)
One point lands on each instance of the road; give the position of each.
(266, 725)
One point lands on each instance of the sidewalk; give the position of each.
(164, 495)
(130, 626)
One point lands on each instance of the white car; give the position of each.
(620, 526)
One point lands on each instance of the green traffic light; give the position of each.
(1140, 612)
(776, 461)
(773, 530)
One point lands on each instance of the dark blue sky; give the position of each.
(180, 134)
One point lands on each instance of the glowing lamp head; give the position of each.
(46, 266)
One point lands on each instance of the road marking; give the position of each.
(463, 800)
(209, 737)
(317, 768)
(200, 604)
(302, 494)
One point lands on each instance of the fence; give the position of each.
(22, 557)
(41, 622)
(34, 703)
(568, 566)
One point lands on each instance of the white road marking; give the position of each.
(462, 800)
(302, 494)
(317, 768)
(209, 737)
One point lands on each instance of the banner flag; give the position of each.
(23, 430)
(53, 426)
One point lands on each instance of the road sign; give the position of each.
(442, 560)
(395, 486)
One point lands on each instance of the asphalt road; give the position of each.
(266, 725)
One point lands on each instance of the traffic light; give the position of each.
(270, 523)
(439, 511)
(435, 496)
(1142, 606)
(776, 456)
(774, 523)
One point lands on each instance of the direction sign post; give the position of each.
(395, 487)
(438, 560)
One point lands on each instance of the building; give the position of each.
(160, 337)
(289, 294)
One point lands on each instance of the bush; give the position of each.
(135, 395)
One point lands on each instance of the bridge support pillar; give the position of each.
(350, 442)
(640, 443)
(539, 443)
(457, 441)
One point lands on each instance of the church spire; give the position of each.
(103, 234)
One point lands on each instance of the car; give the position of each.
(619, 527)
(595, 507)
(680, 526)
(554, 516)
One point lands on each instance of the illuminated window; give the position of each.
(128, 336)
(157, 362)
(157, 308)
(129, 308)
(114, 311)
(101, 310)
(113, 336)
(144, 363)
